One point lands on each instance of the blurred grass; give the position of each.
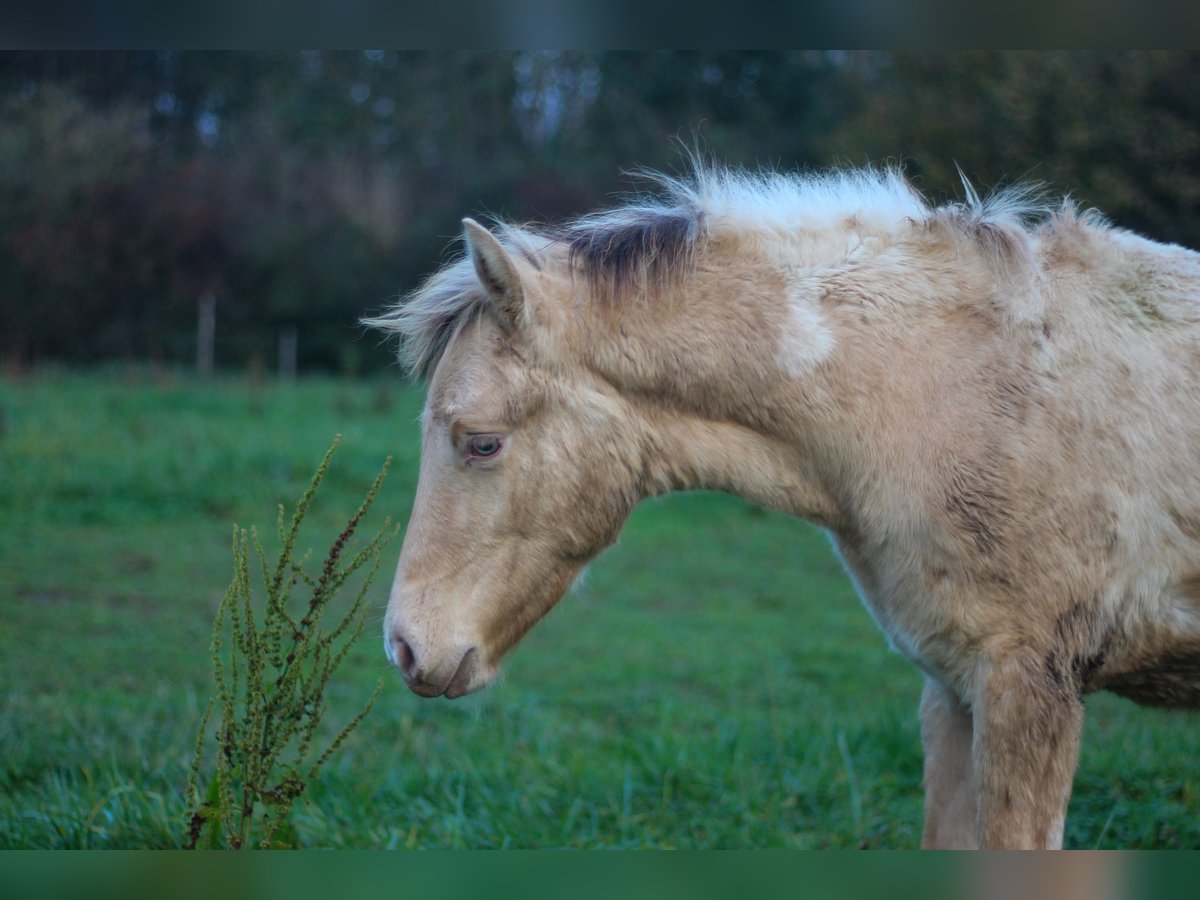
(713, 683)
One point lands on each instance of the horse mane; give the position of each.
(655, 236)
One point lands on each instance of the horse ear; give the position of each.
(496, 272)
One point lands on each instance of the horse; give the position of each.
(992, 405)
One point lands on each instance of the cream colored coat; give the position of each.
(993, 408)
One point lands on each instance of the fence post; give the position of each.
(289, 343)
(206, 332)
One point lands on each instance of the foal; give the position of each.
(994, 408)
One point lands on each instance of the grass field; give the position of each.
(713, 683)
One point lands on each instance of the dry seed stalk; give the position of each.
(271, 692)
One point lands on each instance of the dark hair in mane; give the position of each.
(611, 254)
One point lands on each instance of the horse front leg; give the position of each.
(1027, 724)
(950, 810)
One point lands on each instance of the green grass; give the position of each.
(713, 683)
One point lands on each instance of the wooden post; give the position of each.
(206, 333)
(289, 344)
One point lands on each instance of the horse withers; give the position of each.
(993, 407)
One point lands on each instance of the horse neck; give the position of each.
(713, 407)
(723, 407)
(685, 451)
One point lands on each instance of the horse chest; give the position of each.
(910, 605)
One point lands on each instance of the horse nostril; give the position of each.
(405, 660)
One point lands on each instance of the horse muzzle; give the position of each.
(451, 676)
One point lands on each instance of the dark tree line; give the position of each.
(302, 189)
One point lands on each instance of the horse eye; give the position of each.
(483, 445)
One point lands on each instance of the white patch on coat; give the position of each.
(806, 341)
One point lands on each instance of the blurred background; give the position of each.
(261, 202)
